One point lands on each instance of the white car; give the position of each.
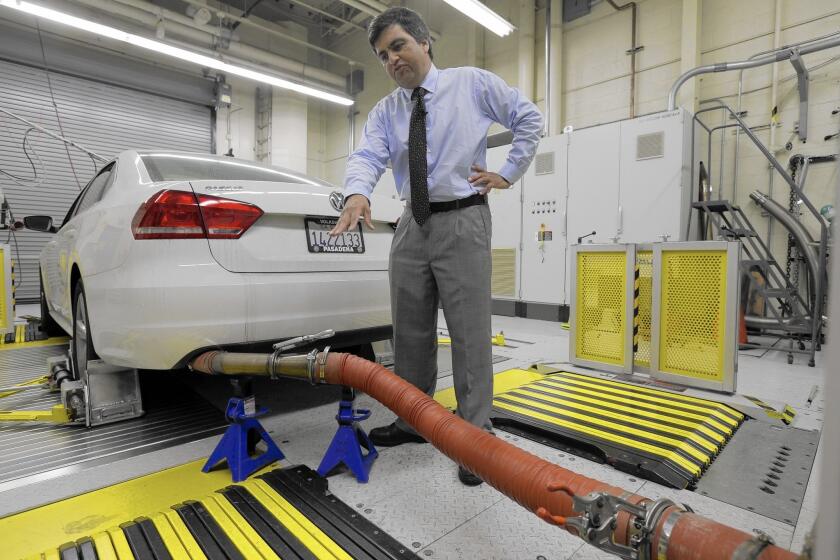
(165, 255)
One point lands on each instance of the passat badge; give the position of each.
(337, 201)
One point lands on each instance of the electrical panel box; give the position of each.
(594, 174)
(544, 218)
(655, 187)
(506, 211)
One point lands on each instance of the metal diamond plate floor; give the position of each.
(37, 451)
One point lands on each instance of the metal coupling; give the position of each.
(315, 365)
(599, 519)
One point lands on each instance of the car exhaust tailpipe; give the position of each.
(608, 517)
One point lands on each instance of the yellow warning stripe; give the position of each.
(675, 443)
(183, 533)
(307, 532)
(170, 538)
(688, 420)
(786, 414)
(667, 454)
(104, 547)
(121, 547)
(607, 387)
(238, 530)
(731, 415)
(596, 390)
(686, 434)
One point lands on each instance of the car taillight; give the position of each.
(225, 218)
(183, 215)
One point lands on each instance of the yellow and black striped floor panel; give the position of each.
(286, 513)
(666, 437)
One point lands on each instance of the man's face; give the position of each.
(405, 60)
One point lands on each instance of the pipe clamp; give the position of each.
(752, 549)
(599, 520)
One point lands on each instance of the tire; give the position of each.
(48, 324)
(81, 341)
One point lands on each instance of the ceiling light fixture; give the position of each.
(169, 50)
(483, 15)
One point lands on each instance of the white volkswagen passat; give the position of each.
(165, 255)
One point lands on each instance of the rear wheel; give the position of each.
(48, 324)
(82, 341)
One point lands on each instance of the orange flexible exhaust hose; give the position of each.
(541, 487)
(530, 481)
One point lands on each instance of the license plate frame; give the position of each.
(318, 240)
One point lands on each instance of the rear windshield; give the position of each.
(177, 167)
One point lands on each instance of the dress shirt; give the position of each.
(461, 105)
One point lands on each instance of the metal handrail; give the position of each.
(816, 314)
(784, 53)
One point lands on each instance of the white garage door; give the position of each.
(104, 118)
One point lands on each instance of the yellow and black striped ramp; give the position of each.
(286, 513)
(666, 437)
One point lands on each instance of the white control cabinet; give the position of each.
(655, 187)
(628, 181)
(544, 219)
(594, 155)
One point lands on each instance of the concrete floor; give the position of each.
(414, 493)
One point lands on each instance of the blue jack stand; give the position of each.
(237, 447)
(348, 440)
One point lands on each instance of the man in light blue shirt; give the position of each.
(433, 129)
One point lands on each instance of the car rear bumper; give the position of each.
(155, 319)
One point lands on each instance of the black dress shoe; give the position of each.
(391, 435)
(467, 478)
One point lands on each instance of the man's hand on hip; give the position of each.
(484, 180)
(356, 207)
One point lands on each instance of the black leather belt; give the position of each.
(456, 204)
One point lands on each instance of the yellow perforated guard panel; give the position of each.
(601, 312)
(644, 260)
(667, 437)
(503, 277)
(693, 313)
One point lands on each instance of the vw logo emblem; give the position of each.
(337, 200)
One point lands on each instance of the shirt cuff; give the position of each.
(350, 191)
(510, 173)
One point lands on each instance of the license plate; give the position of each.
(319, 240)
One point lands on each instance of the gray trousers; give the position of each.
(446, 260)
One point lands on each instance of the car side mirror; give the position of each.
(39, 223)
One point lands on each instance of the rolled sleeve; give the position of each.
(508, 107)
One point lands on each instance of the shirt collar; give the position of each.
(429, 83)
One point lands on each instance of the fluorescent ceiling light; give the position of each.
(163, 48)
(483, 15)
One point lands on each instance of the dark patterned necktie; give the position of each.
(417, 171)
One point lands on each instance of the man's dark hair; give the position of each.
(409, 20)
